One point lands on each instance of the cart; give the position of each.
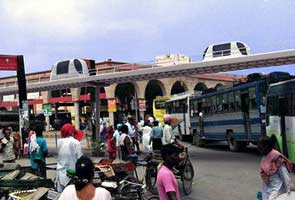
(20, 179)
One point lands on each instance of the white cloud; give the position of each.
(71, 18)
(45, 16)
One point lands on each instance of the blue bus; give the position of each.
(236, 114)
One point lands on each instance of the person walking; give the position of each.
(146, 137)
(38, 151)
(275, 170)
(68, 152)
(166, 182)
(116, 137)
(132, 132)
(8, 147)
(125, 143)
(156, 137)
(168, 136)
(83, 188)
(103, 131)
(111, 143)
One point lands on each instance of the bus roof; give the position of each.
(162, 98)
(281, 88)
(179, 96)
(229, 89)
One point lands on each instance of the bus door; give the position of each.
(282, 112)
(201, 119)
(245, 110)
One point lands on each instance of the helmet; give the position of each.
(167, 117)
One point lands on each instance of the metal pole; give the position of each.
(96, 133)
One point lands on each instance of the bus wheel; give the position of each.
(232, 143)
(200, 142)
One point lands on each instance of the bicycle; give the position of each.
(184, 171)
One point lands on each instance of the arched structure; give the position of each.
(125, 95)
(218, 86)
(178, 87)
(200, 87)
(153, 89)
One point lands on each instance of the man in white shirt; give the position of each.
(68, 152)
(168, 136)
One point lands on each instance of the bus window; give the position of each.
(231, 101)
(225, 102)
(252, 98)
(237, 100)
(219, 103)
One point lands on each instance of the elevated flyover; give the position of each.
(147, 72)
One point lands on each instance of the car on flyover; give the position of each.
(225, 50)
(69, 69)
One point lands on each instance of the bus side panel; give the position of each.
(290, 134)
(274, 129)
(216, 126)
(255, 125)
(182, 129)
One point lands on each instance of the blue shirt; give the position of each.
(157, 132)
(38, 154)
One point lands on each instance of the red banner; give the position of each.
(8, 62)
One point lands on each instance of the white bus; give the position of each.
(177, 107)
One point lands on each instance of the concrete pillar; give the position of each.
(110, 94)
(77, 114)
(140, 87)
(47, 120)
(45, 95)
(111, 118)
(75, 97)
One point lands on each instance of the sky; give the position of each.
(47, 31)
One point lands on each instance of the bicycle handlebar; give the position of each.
(142, 186)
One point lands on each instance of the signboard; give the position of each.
(47, 109)
(141, 105)
(8, 63)
(112, 106)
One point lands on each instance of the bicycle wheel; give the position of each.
(188, 171)
(151, 179)
(187, 178)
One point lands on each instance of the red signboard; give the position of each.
(60, 99)
(8, 104)
(8, 62)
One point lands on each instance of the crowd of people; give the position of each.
(123, 142)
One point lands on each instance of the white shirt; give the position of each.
(69, 193)
(68, 152)
(8, 150)
(146, 137)
(279, 183)
(117, 137)
(168, 135)
(131, 130)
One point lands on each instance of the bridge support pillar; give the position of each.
(75, 96)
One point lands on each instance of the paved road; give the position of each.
(220, 174)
